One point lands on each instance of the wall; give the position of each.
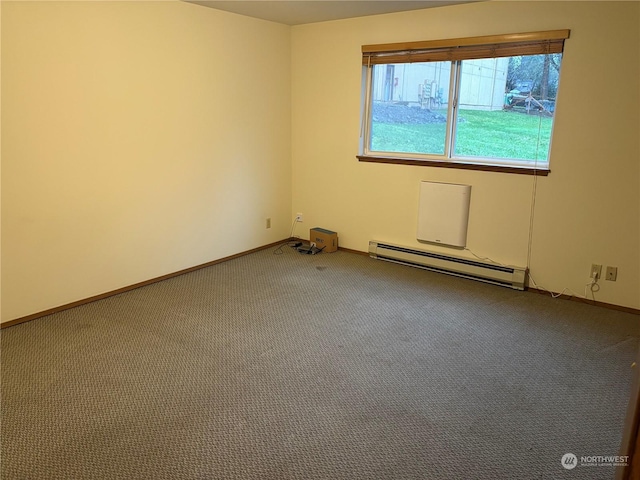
(139, 139)
(586, 211)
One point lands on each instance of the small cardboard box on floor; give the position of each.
(324, 238)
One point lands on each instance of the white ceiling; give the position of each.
(298, 12)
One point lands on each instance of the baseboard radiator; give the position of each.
(512, 277)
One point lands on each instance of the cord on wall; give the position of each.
(593, 285)
(534, 189)
(487, 259)
(278, 250)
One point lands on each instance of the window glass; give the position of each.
(506, 105)
(409, 105)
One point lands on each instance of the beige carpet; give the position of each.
(333, 366)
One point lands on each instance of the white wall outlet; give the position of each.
(596, 271)
(268, 223)
(299, 217)
(612, 274)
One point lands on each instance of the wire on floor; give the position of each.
(278, 250)
(592, 285)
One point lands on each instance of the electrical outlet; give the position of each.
(612, 274)
(299, 217)
(596, 271)
(268, 223)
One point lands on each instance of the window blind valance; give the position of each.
(492, 46)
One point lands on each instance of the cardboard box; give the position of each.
(324, 238)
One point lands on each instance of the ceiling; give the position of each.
(296, 12)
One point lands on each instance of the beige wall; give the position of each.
(138, 139)
(142, 138)
(586, 211)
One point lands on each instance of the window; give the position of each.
(483, 102)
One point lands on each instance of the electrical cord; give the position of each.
(487, 259)
(534, 189)
(278, 250)
(593, 285)
(554, 295)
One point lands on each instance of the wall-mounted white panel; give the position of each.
(443, 213)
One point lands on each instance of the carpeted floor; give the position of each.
(333, 366)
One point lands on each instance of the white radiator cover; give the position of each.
(506, 276)
(443, 213)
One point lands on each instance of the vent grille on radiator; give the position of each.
(463, 267)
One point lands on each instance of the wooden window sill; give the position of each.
(543, 172)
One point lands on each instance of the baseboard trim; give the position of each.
(610, 306)
(596, 303)
(349, 250)
(128, 288)
(95, 298)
